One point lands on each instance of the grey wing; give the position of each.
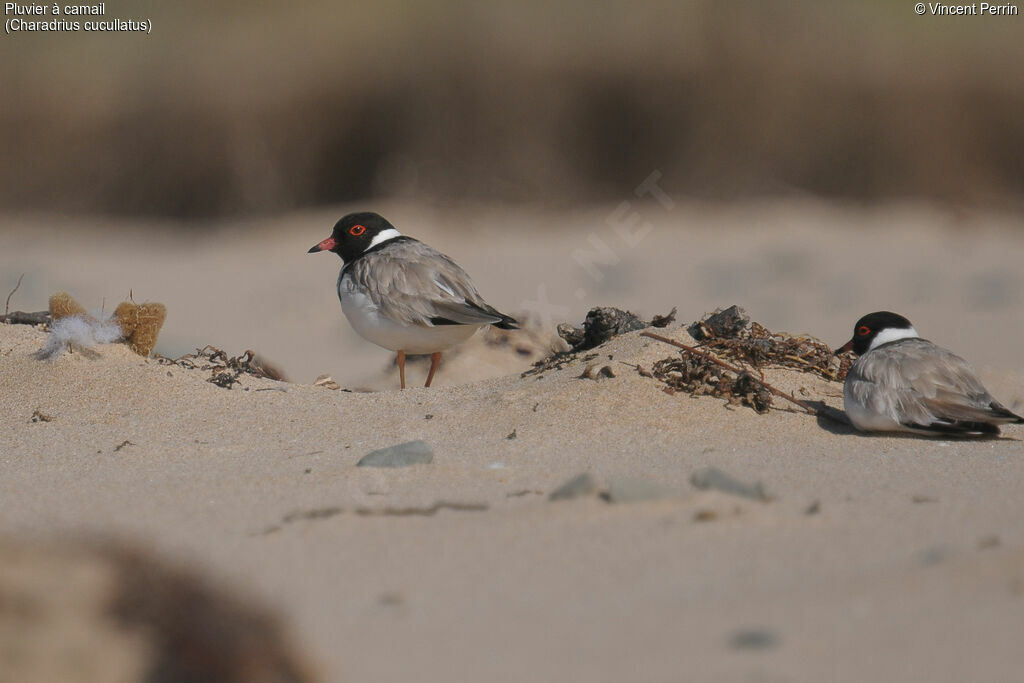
(918, 383)
(416, 284)
(878, 388)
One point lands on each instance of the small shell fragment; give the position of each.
(327, 382)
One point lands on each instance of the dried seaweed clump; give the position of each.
(601, 324)
(604, 323)
(730, 334)
(700, 377)
(224, 370)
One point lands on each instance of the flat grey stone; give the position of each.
(404, 454)
(714, 478)
(580, 485)
(754, 639)
(935, 554)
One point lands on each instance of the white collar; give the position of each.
(891, 334)
(383, 236)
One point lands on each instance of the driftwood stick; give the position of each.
(23, 318)
(7, 306)
(708, 357)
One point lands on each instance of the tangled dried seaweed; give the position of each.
(730, 334)
(700, 377)
(744, 388)
(224, 371)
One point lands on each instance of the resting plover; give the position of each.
(902, 383)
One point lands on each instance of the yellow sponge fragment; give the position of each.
(126, 315)
(63, 305)
(141, 324)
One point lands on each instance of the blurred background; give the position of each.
(230, 108)
(523, 127)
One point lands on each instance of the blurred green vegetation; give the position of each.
(231, 107)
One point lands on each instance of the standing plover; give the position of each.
(402, 294)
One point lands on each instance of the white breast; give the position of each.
(366, 318)
(864, 417)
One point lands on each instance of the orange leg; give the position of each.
(401, 367)
(435, 360)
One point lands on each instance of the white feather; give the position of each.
(78, 331)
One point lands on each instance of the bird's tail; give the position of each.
(507, 322)
(1002, 412)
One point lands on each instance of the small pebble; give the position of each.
(754, 639)
(989, 542)
(934, 555)
(714, 478)
(705, 516)
(580, 485)
(393, 599)
(404, 454)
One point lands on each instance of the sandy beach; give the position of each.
(873, 558)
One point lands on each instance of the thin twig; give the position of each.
(7, 306)
(730, 368)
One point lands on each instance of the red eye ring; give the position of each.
(863, 331)
(357, 230)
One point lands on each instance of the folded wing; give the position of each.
(418, 285)
(925, 387)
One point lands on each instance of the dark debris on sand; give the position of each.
(605, 323)
(224, 371)
(699, 377)
(730, 334)
(600, 325)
